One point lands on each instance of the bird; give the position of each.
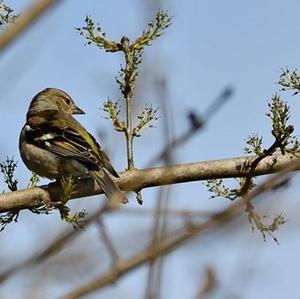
(53, 144)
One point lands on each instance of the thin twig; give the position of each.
(107, 241)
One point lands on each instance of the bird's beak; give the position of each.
(77, 110)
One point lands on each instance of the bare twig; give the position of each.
(107, 241)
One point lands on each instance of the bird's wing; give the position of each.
(63, 135)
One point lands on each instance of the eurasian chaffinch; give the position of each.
(54, 144)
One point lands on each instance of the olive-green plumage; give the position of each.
(54, 144)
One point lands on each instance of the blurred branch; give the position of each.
(107, 241)
(24, 21)
(163, 247)
(153, 289)
(184, 213)
(136, 180)
(158, 233)
(196, 124)
(180, 237)
(208, 285)
(56, 245)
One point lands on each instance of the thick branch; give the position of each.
(136, 180)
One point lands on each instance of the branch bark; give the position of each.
(135, 180)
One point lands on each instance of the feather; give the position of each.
(63, 135)
(108, 186)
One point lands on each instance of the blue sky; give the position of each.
(210, 45)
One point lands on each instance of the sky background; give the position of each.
(210, 45)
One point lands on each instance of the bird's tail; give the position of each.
(108, 186)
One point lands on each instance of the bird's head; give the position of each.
(53, 99)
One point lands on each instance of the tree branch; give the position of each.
(159, 249)
(136, 180)
(170, 243)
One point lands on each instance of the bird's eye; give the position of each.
(67, 101)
